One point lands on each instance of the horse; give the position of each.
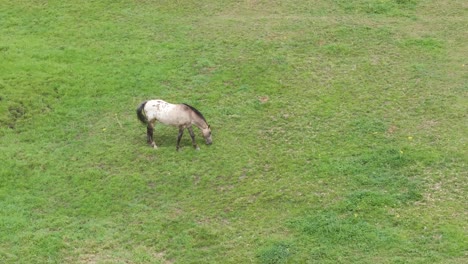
(182, 116)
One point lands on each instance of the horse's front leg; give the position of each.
(179, 137)
(192, 135)
(149, 134)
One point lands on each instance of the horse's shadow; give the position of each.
(165, 138)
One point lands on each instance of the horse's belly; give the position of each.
(168, 119)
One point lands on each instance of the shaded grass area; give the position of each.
(339, 132)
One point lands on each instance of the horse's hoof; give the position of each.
(197, 148)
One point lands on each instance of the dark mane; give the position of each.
(196, 112)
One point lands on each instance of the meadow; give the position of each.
(339, 131)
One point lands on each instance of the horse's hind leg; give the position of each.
(149, 134)
(192, 135)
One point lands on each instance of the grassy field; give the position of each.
(339, 131)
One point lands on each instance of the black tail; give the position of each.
(140, 114)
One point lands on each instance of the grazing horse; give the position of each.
(182, 116)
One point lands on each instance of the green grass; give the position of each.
(339, 132)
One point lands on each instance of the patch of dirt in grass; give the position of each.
(161, 256)
(108, 257)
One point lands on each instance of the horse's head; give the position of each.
(207, 135)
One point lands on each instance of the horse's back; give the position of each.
(167, 113)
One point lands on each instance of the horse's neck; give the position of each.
(200, 123)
